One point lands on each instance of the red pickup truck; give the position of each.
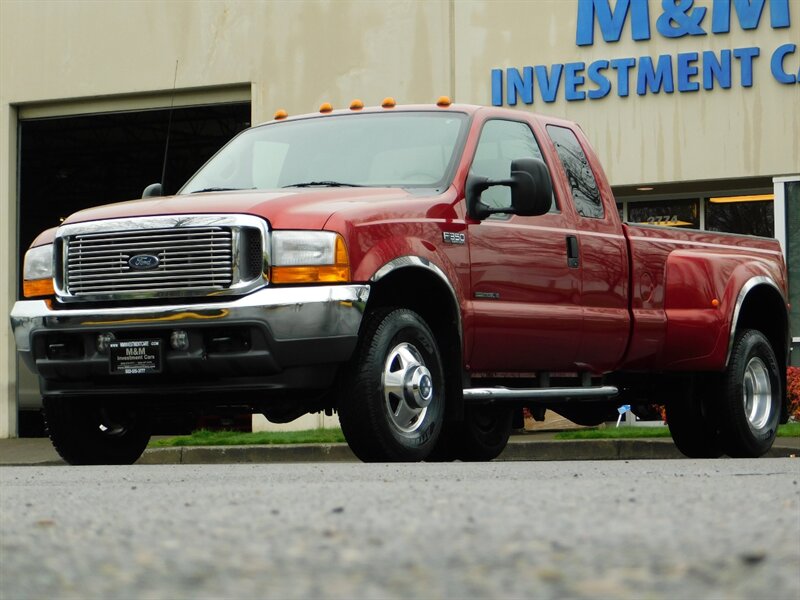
(423, 271)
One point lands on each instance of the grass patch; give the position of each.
(614, 433)
(624, 432)
(789, 430)
(204, 437)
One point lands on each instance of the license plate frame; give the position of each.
(135, 357)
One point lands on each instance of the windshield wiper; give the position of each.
(220, 189)
(324, 183)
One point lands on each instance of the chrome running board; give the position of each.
(554, 394)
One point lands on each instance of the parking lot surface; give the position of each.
(623, 529)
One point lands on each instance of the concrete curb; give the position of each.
(204, 455)
(629, 449)
(39, 452)
(591, 450)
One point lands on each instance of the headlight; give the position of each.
(37, 272)
(309, 257)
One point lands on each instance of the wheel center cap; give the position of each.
(419, 387)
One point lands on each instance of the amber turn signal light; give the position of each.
(37, 288)
(323, 274)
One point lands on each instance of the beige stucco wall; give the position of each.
(298, 54)
(69, 56)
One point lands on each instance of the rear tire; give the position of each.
(96, 432)
(480, 437)
(750, 399)
(392, 405)
(691, 421)
(485, 432)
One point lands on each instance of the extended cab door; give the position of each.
(525, 291)
(601, 254)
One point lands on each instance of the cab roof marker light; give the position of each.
(356, 104)
(325, 108)
(443, 102)
(388, 103)
(280, 114)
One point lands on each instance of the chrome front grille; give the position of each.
(191, 258)
(154, 257)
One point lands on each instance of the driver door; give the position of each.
(525, 295)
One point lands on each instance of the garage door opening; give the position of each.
(70, 163)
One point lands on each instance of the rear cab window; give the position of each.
(585, 191)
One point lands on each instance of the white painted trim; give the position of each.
(702, 214)
(8, 264)
(779, 212)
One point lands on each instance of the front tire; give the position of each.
(392, 406)
(750, 400)
(96, 432)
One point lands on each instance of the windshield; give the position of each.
(413, 149)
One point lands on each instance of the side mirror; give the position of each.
(153, 190)
(531, 190)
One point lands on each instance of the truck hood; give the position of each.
(307, 208)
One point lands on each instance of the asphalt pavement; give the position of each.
(621, 529)
(540, 446)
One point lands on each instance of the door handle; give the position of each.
(573, 258)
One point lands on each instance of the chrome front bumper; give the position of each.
(300, 322)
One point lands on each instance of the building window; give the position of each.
(748, 215)
(669, 213)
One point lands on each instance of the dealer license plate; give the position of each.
(135, 357)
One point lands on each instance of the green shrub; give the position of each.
(793, 392)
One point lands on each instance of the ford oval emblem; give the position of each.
(143, 262)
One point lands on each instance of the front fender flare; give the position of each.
(410, 261)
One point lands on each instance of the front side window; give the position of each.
(413, 149)
(502, 142)
(585, 193)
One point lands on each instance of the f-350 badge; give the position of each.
(451, 237)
